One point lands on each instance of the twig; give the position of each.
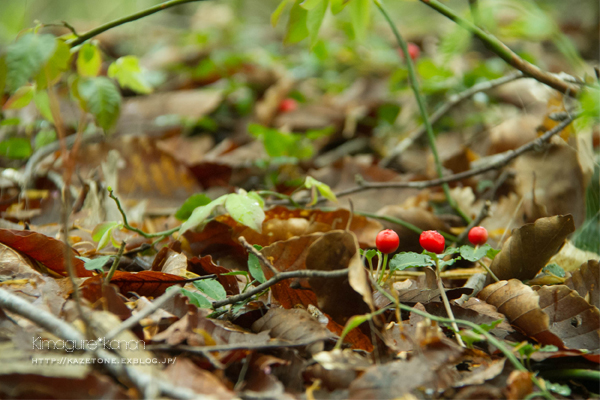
(446, 302)
(258, 254)
(148, 310)
(505, 53)
(65, 331)
(136, 230)
(133, 17)
(443, 110)
(229, 347)
(412, 75)
(280, 276)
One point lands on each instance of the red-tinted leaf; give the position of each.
(145, 283)
(48, 251)
(206, 266)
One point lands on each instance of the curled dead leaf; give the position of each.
(585, 281)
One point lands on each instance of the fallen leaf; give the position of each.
(184, 373)
(205, 266)
(145, 283)
(586, 282)
(530, 247)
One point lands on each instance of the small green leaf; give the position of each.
(193, 202)
(212, 288)
(101, 98)
(255, 268)
(20, 98)
(474, 254)
(489, 327)
(258, 198)
(296, 27)
(196, 299)
(58, 63)
(126, 70)
(277, 13)
(314, 18)
(337, 6)
(554, 269)
(3, 73)
(102, 233)
(44, 137)
(324, 189)
(245, 210)
(360, 14)
(369, 254)
(89, 60)
(491, 254)
(449, 262)
(16, 148)
(201, 214)
(563, 390)
(96, 263)
(310, 4)
(26, 56)
(405, 260)
(42, 102)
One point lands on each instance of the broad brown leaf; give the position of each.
(553, 315)
(48, 251)
(205, 266)
(145, 283)
(530, 247)
(585, 281)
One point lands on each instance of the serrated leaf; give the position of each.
(212, 288)
(20, 98)
(42, 102)
(314, 18)
(255, 268)
(126, 70)
(360, 15)
(193, 202)
(277, 13)
(196, 299)
(101, 98)
(474, 254)
(404, 260)
(25, 58)
(201, 214)
(245, 210)
(52, 69)
(89, 60)
(17, 148)
(96, 263)
(296, 27)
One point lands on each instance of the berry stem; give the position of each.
(440, 285)
(421, 103)
(385, 260)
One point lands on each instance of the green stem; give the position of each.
(133, 17)
(385, 261)
(115, 264)
(490, 338)
(440, 285)
(583, 374)
(504, 52)
(136, 230)
(421, 103)
(489, 271)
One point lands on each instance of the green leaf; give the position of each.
(277, 13)
(449, 262)
(472, 254)
(212, 288)
(96, 263)
(259, 199)
(491, 254)
(17, 148)
(101, 98)
(245, 210)
(360, 14)
(103, 232)
(554, 269)
(42, 102)
(126, 70)
(25, 58)
(314, 18)
(196, 299)
(388, 113)
(296, 27)
(3, 73)
(44, 137)
(20, 98)
(193, 202)
(337, 6)
(255, 268)
(563, 390)
(324, 189)
(89, 60)
(281, 144)
(310, 4)
(369, 254)
(489, 327)
(55, 66)
(201, 214)
(404, 260)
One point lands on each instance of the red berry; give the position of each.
(387, 241)
(413, 51)
(478, 235)
(432, 241)
(287, 105)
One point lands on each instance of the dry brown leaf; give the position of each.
(184, 373)
(586, 282)
(553, 315)
(570, 257)
(530, 247)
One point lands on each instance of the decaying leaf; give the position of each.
(586, 282)
(553, 315)
(530, 247)
(185, 373)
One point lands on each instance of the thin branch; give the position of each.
(443, 110)
(412, 75)
(65, 331)
(258, 254)
(280, 276)
(133, 17)
(505, 53)
(115, 264)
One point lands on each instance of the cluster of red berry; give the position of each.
(387, 241)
